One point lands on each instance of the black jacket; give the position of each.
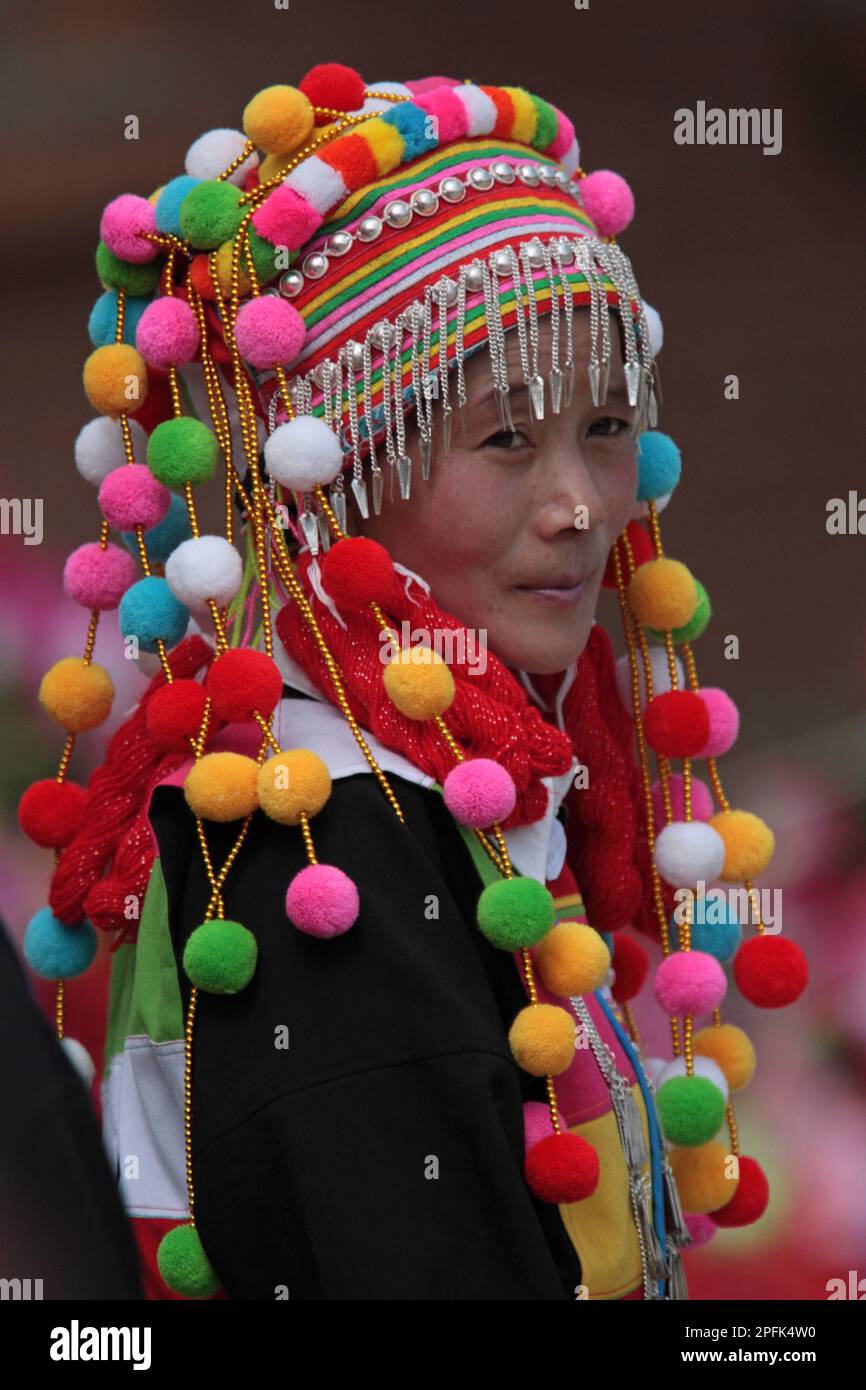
(379, 1155)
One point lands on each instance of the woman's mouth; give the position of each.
(562, 592)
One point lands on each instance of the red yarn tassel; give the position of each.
(115, 818)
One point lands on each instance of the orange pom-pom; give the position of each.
(662, 594)
(572, 959)
(292, 784)
(222, 787)
(115, 379)
(419, 682)
(704, 1176)
(76, 695)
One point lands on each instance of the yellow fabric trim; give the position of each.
(601, 1227)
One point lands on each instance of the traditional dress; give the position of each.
(376, 920)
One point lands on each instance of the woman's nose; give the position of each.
(567, 497)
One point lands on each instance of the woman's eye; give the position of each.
(621, 426)
(506, 439)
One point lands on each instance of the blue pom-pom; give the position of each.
(166, 536)
(149, 612)
(659, 465)
(56, 951)
(167, 210)
(102, 324)
(414, 125)
(715, 929)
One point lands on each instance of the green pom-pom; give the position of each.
(116, 274)
(545, 131)
(691, 1109)
(211, 214)
(264, 255)
(515, 912)
(696, 624)
(220, 956)
(184, 1265)
(181, 451)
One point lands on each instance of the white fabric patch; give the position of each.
(480, 109)
(571, 159)
(142, 1125)
(316, 181)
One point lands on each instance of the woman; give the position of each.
(362, 1040)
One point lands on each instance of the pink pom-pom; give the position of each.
(724, 722)
(285, 218)
(448, 111)
(96, 578)
(702, 800)
(689, 982)
(269, 332)
(130, 496)
(322, 901)
(608, 200)
(167, 333)
(122, 224)
(478, 792)
(702, 1228)
(537, 1123)
(564, 136)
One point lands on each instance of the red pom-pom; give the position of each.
(333, 85)
(630, 965)
(174, 714)
(770, 971)
(243, 682)
(750, 1200)
(50, 812)
(642, 549)
(353, 160)
(676, 724)
(357, 571)
(562, 1168)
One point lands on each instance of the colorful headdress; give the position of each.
(308, 283)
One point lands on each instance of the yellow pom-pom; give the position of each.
(701, 1176)
(78, 696)
(542, 1039)
(385, 141)
(115, 379)
(731, 1050)
(749, 844)
(224, 269)
(278, 119)
(292, 784)
(156, 195)
(572, 959)
(663, 594)
(222, 786)
(525, 115)
(419, 682)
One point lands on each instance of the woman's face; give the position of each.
(493, 530)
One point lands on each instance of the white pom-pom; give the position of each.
(303, 453)
(641, 509)
(480, 109)
(656, 328)
(660, 673)
(703, 1066)
(202, 568)
(99, 447)
(654, 1066)
(214, 151)
(316, 181)
(80, 1059)
(571, 159)
(688, 852)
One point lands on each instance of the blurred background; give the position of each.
(755, 264)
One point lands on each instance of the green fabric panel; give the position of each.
(145, 991)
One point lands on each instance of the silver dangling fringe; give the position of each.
(598, 368)
(404, 463)
(611, 259)
(498, 364)
(377, 477)
(444, 289)
(656, 1264)
(564, 254)
(536, 380)
(677, 1228)
(459, 349)
(555, 377)
(425, 399)
(359, 484)
(677, 1287)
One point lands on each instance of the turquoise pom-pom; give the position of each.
(715, 929)
(414, 125)
(149, 612)
(166, 536)
(168, 204)
(102, 324)
(57, 951)
(659, 465)
(183, 1264)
